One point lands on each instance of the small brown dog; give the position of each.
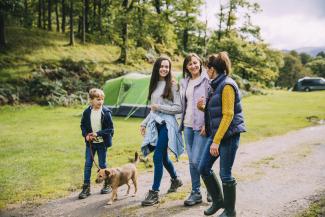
(120, 176)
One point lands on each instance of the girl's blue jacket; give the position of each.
(107, 131)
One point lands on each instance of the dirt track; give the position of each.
(277, 176)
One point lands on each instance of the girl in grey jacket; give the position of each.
(160, 128)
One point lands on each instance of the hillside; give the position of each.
(28, 48)
(312, 51)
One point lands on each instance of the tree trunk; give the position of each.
(63, 16)
(221, 17)
(93, 22)
(39, 20)
(168, 4)
(87, 15)
(100, 16)
(79, 25)
(185, 39)
(26, 21)
(83, 31)
(107, 14)
(124, 47)
(71, 24)
(139, 38)
(205, 39)
(49, 17)
(43, 14)
(185, 34)
(2, 29)
(57, 16)
(229, 17)
(157, 5)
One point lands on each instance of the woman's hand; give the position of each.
(201, 103)
(203, 132)
(154, 107)
(142, 130)
(214, 149)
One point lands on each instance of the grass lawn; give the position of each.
(42, 151)
(280, 112)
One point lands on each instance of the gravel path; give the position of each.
(278, 176)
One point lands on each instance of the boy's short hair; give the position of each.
(95, 93)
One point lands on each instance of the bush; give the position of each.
(64, 84)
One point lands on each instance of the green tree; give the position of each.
(127, 6)
(305, 58)
(233, 15)
(321, 54)
(190, 31)
(8, 8)
(71, 14)
(317, 66)
(251, 61)
(291, 71)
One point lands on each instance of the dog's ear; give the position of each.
(112, 172)
(107, 172)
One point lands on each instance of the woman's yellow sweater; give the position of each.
(228, 105)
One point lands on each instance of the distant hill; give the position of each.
(313, 51)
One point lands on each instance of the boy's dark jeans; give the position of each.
(101, 151)
(227, 152)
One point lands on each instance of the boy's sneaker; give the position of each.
(175, 183)
(85, 191)
(106, 188)
(152, 198)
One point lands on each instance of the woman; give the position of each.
(194, 86)
(160, 128)
(224, 123)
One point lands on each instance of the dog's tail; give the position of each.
(136, 158)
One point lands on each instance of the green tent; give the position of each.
(127, 95)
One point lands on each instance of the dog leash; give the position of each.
(92, 154)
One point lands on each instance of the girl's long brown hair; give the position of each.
(167, 94)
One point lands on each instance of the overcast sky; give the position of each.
(285, 24)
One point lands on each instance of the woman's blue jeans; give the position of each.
(227, 152)
(195, 145)
(160, 157)
(101, 151)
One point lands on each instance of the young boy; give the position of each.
(97, 129)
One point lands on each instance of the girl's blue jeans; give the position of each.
(227, 152)
(195, 145)
(101, 151)
(160, 157)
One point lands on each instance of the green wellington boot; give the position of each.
(214, 188)
(229, 191)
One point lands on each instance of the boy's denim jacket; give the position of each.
(107, 125)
